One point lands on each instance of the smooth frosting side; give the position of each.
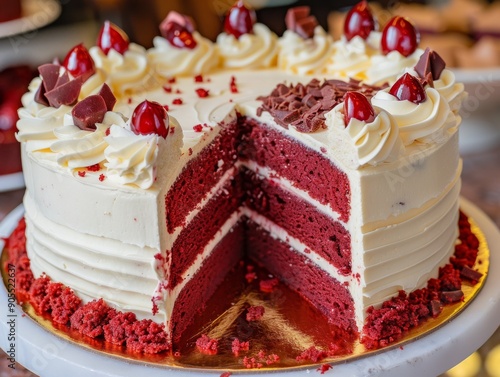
(251, 51)
(168, 61)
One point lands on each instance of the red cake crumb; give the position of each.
(450, 278)
(177, 101)
(108, 131)
(207, 345)
(312, 354)
(261, 359)
(129, 100)
(82, 173)
(102, 177)
(37, 293)
(202, 93)
(232, 85)
(237, 346)
(251, 363)
(146, 336)
(178, 91)
(95, 167)
(167, 89)
(255, 313)
(63, 302)
(226, 374)
(268, 285)
(118, 328)
(324, 368)
(89, 319)
(198, 78)
(172, 80)
(198, 128)
(250, 276)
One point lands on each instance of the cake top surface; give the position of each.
(78, 114)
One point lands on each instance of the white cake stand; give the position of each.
(50, 356)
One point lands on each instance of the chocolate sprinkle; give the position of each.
(304, 106)
(429, 66)
(299, 20)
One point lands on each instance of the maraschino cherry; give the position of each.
(112, 37)
(239, 20)
(399, 34)
(179, 36)
(408, 88)
(359, 21)
(357, 106)
(79, 63)
(150, 117)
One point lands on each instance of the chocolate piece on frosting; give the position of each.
(108, 96)
(299, 20)
(429, 66)
(304, 106)
(88, 112)
(65, 94)
(49, 74)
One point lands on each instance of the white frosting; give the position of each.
(360, 143)
(386, 68)
(126, 73)
(169, 61)
(452, 91)
(428, 121)
(305, 56)
(252, 50)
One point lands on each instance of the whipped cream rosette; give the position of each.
(387, 68)
(251, 50)
(305, 56)
(351, 59)
(125, 73)
(360, 142)
(428, 121)
(453, 92)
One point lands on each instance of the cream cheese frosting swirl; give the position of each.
(77, 148)
(37, 122)
(257, 50)
(426, 122)
(131, 158)
(93, 84)
(362, 143)
(452, 91)
(305, 56)
(169, 61)
(387, 68)
(126, 73)
(351, 59)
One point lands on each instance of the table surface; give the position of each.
(480, 184)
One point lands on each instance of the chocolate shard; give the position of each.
(430, 66)
(49, 74)
(299, 20)
(448, 297)
(62, 79)
(88, 112)
(66, 94)
(436, 308)
(40, 96)
(470, 274)
(108, 96)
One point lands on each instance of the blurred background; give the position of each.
(465, 32)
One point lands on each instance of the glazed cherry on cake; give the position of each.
(150, 117)
(79, 63)
(357, 106)
(359, 21)
(178, 35)
(400, 35)
(409, 88)
(239, 20)
(112, 37)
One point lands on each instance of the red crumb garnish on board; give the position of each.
(207, 345)
(268, 285)
(312, 354)
(198, 78)
(82, 173)
(198, 128)
(202, 93)
(167, 89)
(260, 360)
(177, 101)
(237, 346)
(102, 177)
(255, 313)
(324, 368)
(225, 374)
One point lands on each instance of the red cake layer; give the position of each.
(311, 282)
(305, 168)
(226, 254)
(200, 175)
(300, 219)
(203, 228)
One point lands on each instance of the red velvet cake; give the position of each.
(151, 174)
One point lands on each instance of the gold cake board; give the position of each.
(292, 337)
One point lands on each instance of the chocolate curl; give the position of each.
(300, 21)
